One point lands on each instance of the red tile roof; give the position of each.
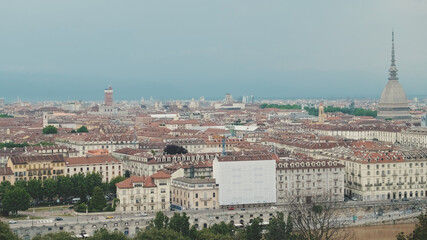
(91, 160)
(161, 175)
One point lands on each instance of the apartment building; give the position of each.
(194, 193)
(383, 174)
(148, 194)
(36, 167)
(304, 180)
(84, 142)
(109, 167)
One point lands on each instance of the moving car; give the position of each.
(141, 214)
(59, 219)
(12, 222)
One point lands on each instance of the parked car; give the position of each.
(59, 219)
(12, 222)
(354, 198)
(141, 214)
(109, 217)
(231, 208)
(394, 200)
(405, 199)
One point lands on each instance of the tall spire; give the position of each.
(393, 69)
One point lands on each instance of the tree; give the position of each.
(420, 231)
(254, 231)
(180, 224)
(50, 130)
(4, 186)
(82, 129)
(79, 186)
(222, 228)
(278, 229)
(55, 236)
(35, 189)
(93, 180)
(320, 219)
(161, 220)
(21, 184)
(174, 149)
(73, 131)
(103, 234)
(49, 188)
(64, 185)
(162, 234)
(97, 202)
(16, 199)
(6, 233)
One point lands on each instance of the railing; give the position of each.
(378, 184)
(368, 185)
(400, 183)
(389, 184)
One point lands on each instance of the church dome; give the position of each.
(393, 93)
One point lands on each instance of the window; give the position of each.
(197, 204)
(197, 195)
(213, 194)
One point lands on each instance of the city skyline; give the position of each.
(175, 51)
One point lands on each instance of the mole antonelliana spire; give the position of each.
(393, 103)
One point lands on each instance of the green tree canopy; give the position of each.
(162, 234)
(82, 129)
(16, 199)
(174, 149)
(253, 231)
(50, 130)
(49, 188)
(6, 233)
(180, 224)
(278, 229)
(103, 234)
(35, 189)
(222, 228)
(161, 220)
(97, 202)
(55, 236)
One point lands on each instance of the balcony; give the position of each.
(368, 185)
(400, 183)
(411, 183)
(389, 184)
(383, 175)
(378, 184)
(205, 198)
(423, 182)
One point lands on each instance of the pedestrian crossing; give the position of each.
(45, 221)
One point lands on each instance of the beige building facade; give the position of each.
(145, 194)
(194, 193)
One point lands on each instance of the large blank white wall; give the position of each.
(245, 182)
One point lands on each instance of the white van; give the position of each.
(75, 200)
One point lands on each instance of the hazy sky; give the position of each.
(182, 49)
